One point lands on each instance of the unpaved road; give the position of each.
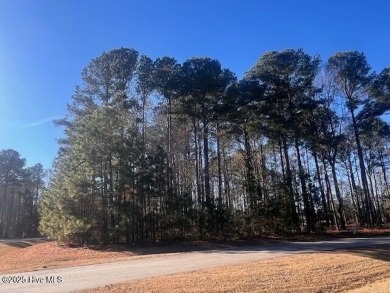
(91, 276)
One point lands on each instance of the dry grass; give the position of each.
(314, 272)
(50, 255)
(5, 248)
(382, 286)
(8, 247)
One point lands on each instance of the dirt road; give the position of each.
(91, 276)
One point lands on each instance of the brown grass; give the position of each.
(382, 286)
(8, 247)
(14, 258)
(314, 272)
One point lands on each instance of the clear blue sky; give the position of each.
(44, 45)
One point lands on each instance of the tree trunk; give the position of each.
(354, 189)
(338, 196)
(323, 198)
(250, 184)
(292, 212)
(206, 163)
(206, 172)
(363, 174)
(219, 163)
(330, 196)
(309, 209)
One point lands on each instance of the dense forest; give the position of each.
(20, 190)
(156, 150)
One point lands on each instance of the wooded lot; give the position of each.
(156, 150)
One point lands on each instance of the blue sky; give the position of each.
(44, 45)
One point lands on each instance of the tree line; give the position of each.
(20, 190)
(157, 150)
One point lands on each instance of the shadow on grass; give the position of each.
(380, 252)
(150, 248)
(21, 243)
(301, 243)
(158, 248)
(290, 243)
